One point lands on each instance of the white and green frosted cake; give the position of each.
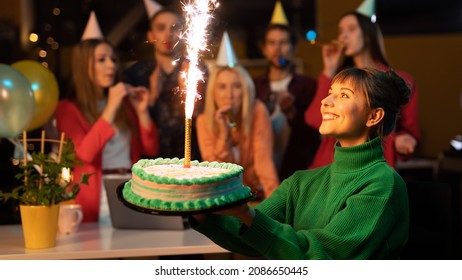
(165, 184)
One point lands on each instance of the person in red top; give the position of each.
(108, 121)
(360, 44)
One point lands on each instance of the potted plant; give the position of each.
(44, 185)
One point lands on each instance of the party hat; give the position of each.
(226, 55)
(367, 8)
(151, 7)
(92, 30)
(279, 17)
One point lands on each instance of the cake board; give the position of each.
(153, 211)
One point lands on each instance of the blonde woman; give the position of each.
(235, 127)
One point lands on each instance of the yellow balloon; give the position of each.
(45, 88)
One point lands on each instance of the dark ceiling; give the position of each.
(250, 17)
(396, 16)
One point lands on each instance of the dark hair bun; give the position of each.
(402, 88)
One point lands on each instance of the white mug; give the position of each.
(70, 217)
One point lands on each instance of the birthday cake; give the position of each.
(165, 184)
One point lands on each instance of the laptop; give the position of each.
(123, 217)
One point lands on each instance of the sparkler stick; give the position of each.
(198, 15)
(187, 142)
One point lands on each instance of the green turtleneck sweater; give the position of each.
(354, 208)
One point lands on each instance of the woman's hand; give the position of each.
(332, 54)
(138, 97)
(286, 102)
(222, 116)
(405, 144)
(243, 212)
(116, 94)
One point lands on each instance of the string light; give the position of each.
(46, 41)
(33, 37)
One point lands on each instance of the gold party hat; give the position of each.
(279, 16)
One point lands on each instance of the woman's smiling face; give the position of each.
(345, 112)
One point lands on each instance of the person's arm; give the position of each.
(365, 225)
(149, 137)
(408, 130)
(361, 228)
(313, 116)
(212, 148)
(225, 227)
(263, 149)
(88, 140)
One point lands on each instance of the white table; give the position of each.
(95, 241)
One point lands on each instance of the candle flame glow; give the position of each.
(66, 174)
(198, 15)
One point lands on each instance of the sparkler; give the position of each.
(198, 15)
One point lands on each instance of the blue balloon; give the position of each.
(17, 103)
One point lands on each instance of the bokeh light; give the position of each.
(311, 35)
(33, 37)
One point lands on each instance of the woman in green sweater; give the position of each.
(354, 208)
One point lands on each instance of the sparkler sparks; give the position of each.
(198, 15)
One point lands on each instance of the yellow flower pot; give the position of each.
(39, 225)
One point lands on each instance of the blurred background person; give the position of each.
(107, 120)
(235, 127)
(360, 44)
(286, 95)
(162, 76)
